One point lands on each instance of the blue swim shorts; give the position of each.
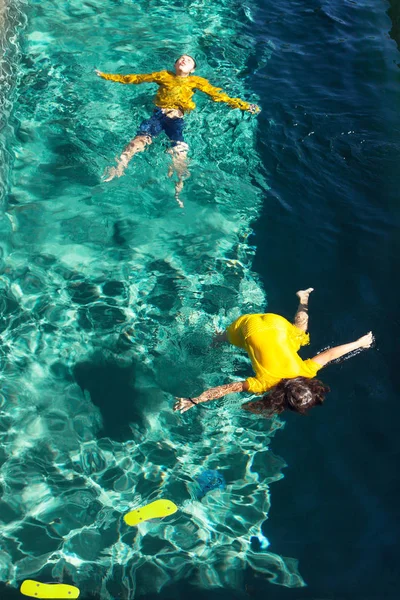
(159, 122)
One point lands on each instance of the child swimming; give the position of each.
(272, 344)
(173, 100)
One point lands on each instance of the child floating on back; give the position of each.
(173, 101)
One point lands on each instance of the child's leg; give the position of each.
(301, 316)
(147, 130)
(173, 127)
(180, 167)
(138, 144)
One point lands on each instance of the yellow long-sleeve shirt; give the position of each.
(272, 344)
(177, 92)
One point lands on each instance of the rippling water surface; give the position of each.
(110, 293)
(110, 297)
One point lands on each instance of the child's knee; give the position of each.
(144, 140)
(180, 149)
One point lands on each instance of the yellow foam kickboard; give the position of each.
(35, 589)
(154, 510)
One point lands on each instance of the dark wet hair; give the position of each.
(298, 394)
(194, 62)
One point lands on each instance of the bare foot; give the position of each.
(178, 189)
(303, 295)
(179, 201)
(111, 172)
(367, 340)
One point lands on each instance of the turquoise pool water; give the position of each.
(110, 296)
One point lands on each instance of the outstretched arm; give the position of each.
(333, 353)
(145, 78)
(218, 95)
(184, 404)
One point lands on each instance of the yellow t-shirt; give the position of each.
(272, 344)
(177, 92)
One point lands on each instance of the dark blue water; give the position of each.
(331, 221)
(328, 137)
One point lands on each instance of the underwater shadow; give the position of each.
(112, 388)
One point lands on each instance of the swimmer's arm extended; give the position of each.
(327, 356)
(184, 404)
(218, 95)
(144, 78)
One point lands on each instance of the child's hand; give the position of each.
(253, 108)
(183, 404)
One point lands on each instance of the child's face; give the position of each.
(185, 64)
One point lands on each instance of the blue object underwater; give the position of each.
(209, 480)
